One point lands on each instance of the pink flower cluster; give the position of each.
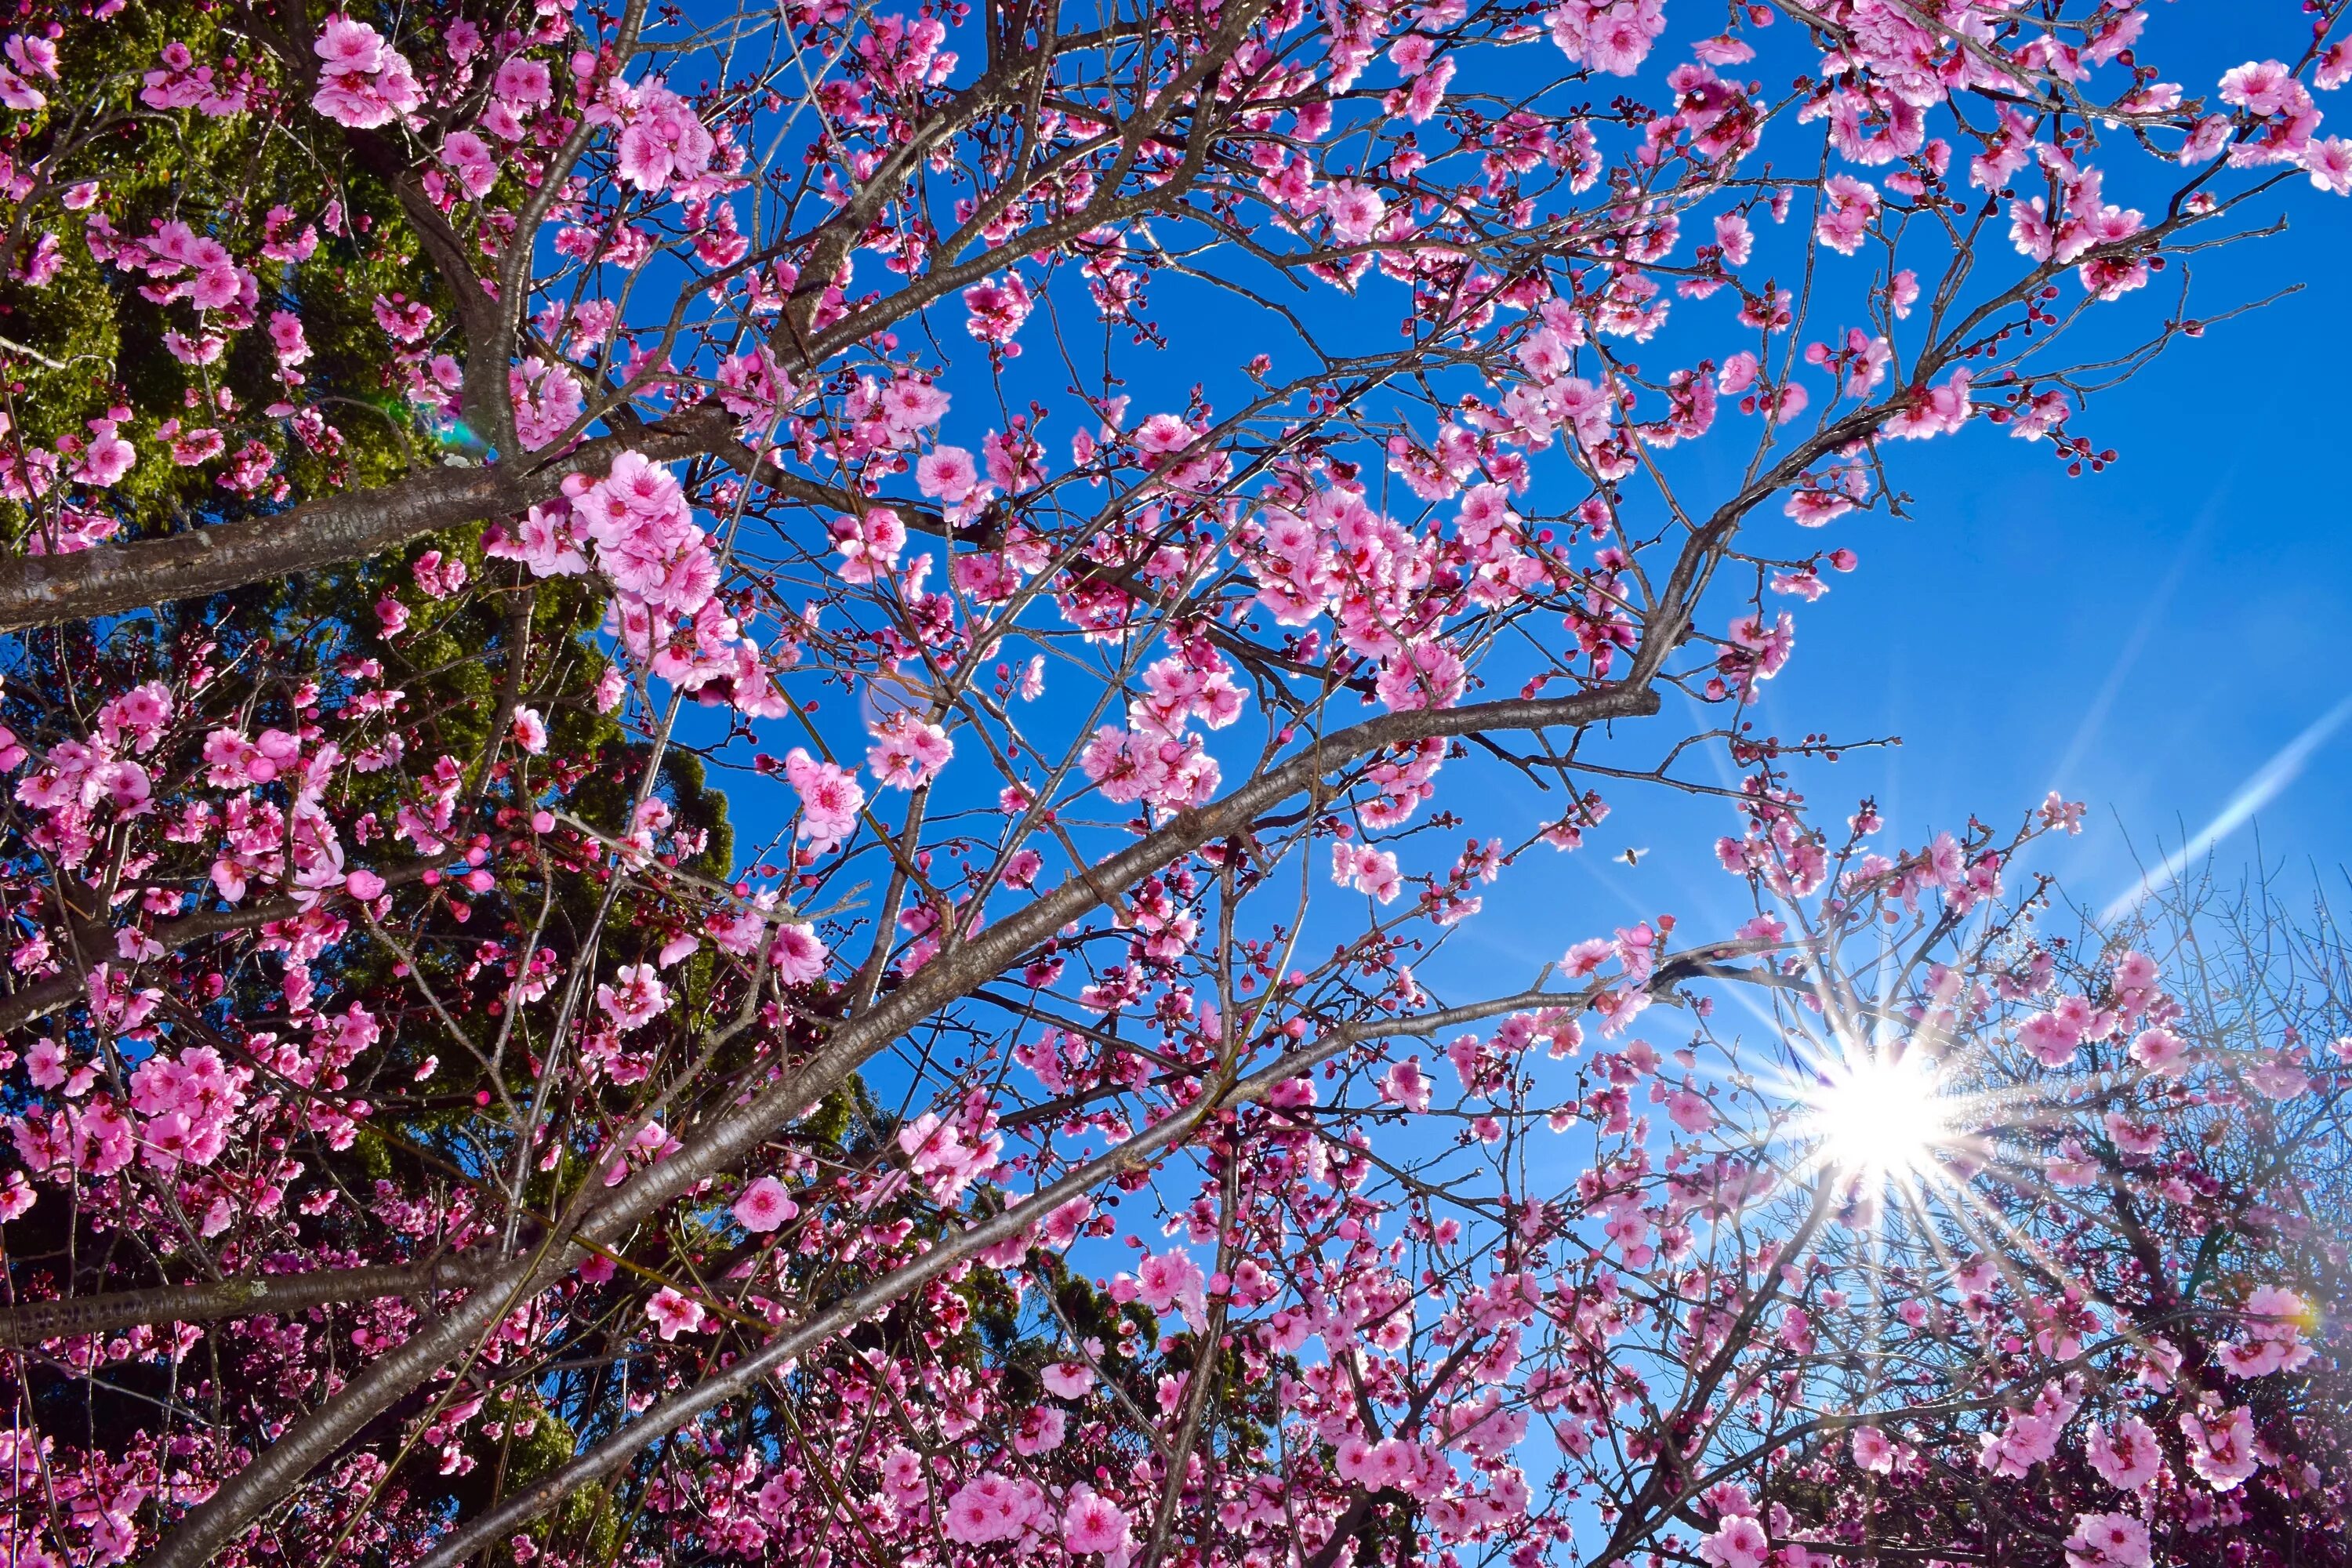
(1848, 205)
(200, 268)
(33, 55)
(641, 530)
(997, 310)
(646, 537)
(179, 82)
(2108, 1540)
(2222, 1449)
(991, 1507)
(664, 142)
(364, 82)
(1335, 554)
(907, 751)
(869, 544)
(637, 998)
(186, 1105)
(2056, 1034)
(831, 800)
(1367, 871)
(949, 1156)
(2273, 1341)
(1154, 759)
(1611, 36)
(2278, 110)
(1169, 1281)
(2084, 220)
(2028, 1435)
(546, 398)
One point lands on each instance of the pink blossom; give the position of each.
(2275, 1077)
(830, 798)
(988, 1508)
(663, 143)
(2125, 1453)
(795, 956)
(2052, 1038)
(1738, 1541)
(1067, 1379)
(2027, 1436)
(907, 751)
(1847, 207)
(470, 159)
(286, 337)
(349, 46)
(33, 55)
(1355, 210)
(947, 473)
(1689, 1111)
(2221, 1450)
(997, 310)
(869, 544)
(2273, 1341)
(364, 82)
(522, 83)
(546, 400)
(1041, 1430)
(2159, 1050)
(2260, 87)
(1425, 675)
(1585, 957)
(909, 404)
(637, 1000)
(1936, 411)
(673, 1314)
(1171, 1281)
(764, 1207)
(1367, 870)
(1406, 1085)
(2108, 1540)
(1092, 1523)
(2335, 66)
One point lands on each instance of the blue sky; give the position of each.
(2145, 639)
(2160, 640)
(2164, 641)
(2156, 640)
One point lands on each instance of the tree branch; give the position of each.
(30, 1323)
(42, 590)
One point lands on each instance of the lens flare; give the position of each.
(1881, 1116)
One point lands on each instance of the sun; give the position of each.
(1881, 1116)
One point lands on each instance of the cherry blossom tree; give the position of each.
(652, 919)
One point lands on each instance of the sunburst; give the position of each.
(1881, 1116)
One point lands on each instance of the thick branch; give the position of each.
(44, 997)
(30, 1322)
(42, 590)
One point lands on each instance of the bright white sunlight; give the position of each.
(1881, 1115)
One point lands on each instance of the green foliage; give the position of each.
(92, 343)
